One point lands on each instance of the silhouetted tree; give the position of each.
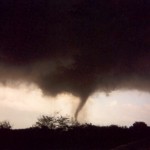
(5, 125)
(139, 125)
(46, 122)
(63, 122)
(55, 122)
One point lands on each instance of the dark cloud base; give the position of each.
(76, 46)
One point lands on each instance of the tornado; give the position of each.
(80, 106)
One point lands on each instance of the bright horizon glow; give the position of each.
(22, 105)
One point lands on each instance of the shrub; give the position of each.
(5, 125)
(55, 122)
(139, 125)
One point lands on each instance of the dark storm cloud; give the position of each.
(76, 46)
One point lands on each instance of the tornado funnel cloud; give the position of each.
(80, 106)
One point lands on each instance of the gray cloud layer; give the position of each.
(76, 46)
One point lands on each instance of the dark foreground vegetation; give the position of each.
(62, 134)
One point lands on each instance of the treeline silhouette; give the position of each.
(62, 133)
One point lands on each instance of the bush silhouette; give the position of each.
(139, 125)
(55, 122)
(45, 122)
(5, 125)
